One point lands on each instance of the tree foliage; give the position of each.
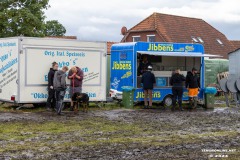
(54, 28)
(23, 17)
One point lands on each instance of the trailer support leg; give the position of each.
(100, 104)
(226, 99)
(20, 106)
(235, 99)
(238, 99)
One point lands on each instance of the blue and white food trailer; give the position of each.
(25, 62)
(165, 57)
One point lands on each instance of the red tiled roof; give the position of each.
(109, 45)
(181, 29)
(236, 44)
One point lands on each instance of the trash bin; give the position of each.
(128, 96)
(210, 97)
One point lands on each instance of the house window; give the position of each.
(136, 38)
(151, 38)
(200, 39)
(194, 39)
(219, 41)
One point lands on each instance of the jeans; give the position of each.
(59, 100)
(177, 94)
(51, 101)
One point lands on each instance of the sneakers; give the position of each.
(145, 107)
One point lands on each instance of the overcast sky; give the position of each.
(103, 19)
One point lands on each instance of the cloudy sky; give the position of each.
(102, 19)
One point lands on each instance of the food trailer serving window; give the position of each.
(163, 74)
(178, 54)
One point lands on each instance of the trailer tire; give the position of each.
(167, 101)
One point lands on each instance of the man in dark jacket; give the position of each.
(76, 77)
(192, 83)
(177, 88)
(143, 65)
(60, 86)
(148, 80)
(51, 92)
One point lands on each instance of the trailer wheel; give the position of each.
(168, 100)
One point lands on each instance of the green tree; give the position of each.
(23, 17)
(54, 28)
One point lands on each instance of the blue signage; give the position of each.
(161, 81)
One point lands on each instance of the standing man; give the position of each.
(148, 80)
(192, 83)
(176, 81)
(143, 65)
(51, 101)
(60, 86)
(76, 77)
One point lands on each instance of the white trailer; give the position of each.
(25, 62)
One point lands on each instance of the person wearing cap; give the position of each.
(176, 81)
(147, 81)
(192, 83)
(143, 65)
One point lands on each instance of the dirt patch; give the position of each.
(120, 134)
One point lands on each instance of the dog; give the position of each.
(80, 99)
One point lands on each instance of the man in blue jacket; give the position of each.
(148, 80)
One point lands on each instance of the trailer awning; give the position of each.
(178, 54)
